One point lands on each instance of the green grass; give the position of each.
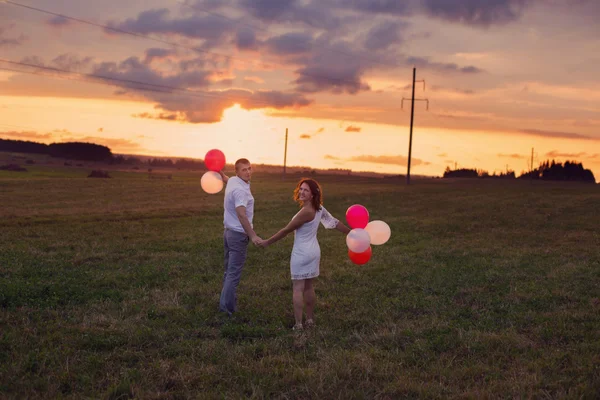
(109, 289)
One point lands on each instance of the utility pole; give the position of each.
(412, 116)
(285, 153)
(531, 165)
(531, 168)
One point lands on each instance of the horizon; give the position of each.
(176, 80)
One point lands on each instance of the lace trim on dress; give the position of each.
(327, 219)
(312, 274)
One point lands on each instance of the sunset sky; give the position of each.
(502, 77)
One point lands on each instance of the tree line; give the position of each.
(549, 170)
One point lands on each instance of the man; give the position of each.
(238, 214)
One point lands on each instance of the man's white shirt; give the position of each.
(237, 193)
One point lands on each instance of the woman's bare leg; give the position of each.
(298, 300)
(309, 299)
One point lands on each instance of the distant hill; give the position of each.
(70, 150)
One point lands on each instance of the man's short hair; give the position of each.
(240, 162)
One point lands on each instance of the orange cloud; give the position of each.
(27, 135)
(517, 156)
(254, 79)
(388, 160)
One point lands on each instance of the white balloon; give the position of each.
(211, 182)
(379, 232)
(358, 240)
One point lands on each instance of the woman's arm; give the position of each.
(342, 228)
(329, 222)
(304, 216)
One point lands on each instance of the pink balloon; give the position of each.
(357, 216)
(214, 160)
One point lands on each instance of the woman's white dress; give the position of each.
(306, 253)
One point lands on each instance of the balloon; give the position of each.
(211, 182)
(379, 232)
(357, 216)
(358, 240)
(360, 258)
(214, 160)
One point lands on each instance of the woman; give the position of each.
(306, 253)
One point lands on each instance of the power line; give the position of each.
(78, 80)
(174, 44)
(117, 30)
(154, 87)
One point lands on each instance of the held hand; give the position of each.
(264, 244)
(257, 241)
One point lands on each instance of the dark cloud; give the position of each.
(245, 39)
(208, 27)
(353, 128)
(315, 13)
(323, 65)
(158, 53)
(475, 12)
(552, 134)
(59, 21)
(388, 7)
(11, 41)
(422, 62)
(316, 16)
(161, 116)
(382, 36)
(479, 13)
(290, 43)
(305, 136)
(334, 67)
(268, 9)
(72, 62)
(330, 157)
(132, 69)
(33, 60)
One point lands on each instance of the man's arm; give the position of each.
(223, 176)
(241, 213)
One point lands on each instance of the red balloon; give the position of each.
(360, 258)
(214, 160)
(357, 216)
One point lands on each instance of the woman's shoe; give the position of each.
(298, 327)
(309, 324)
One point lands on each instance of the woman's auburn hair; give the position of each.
(315, 189)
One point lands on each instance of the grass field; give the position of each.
(109, 289)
